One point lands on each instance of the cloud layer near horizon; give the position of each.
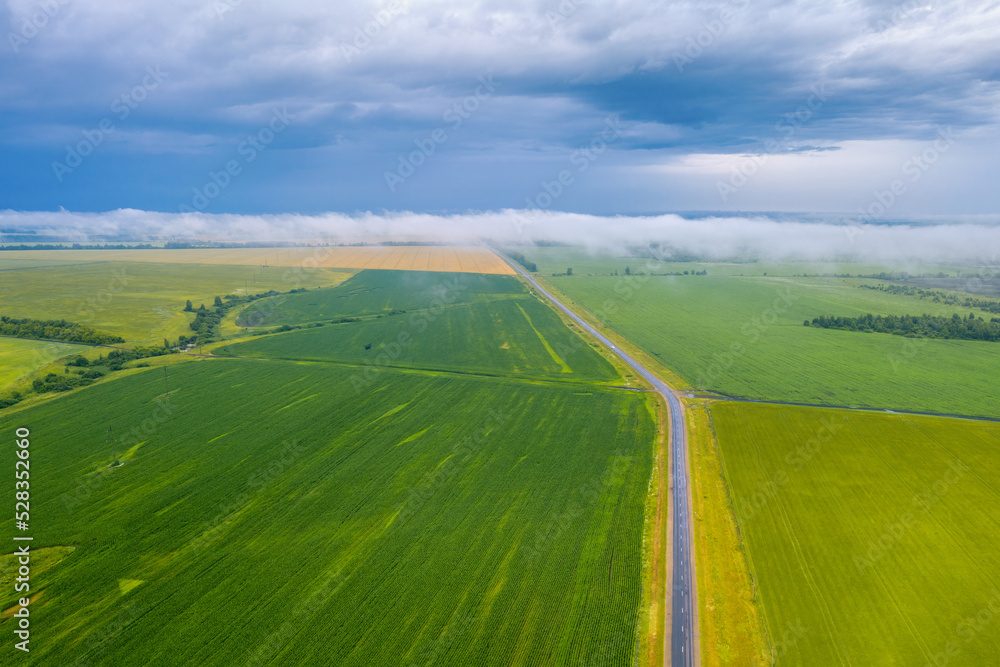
(847, 91)
(975, 241)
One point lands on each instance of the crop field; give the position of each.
(141, 302)
(20, 357)
(744, 337)
(495, 328)
(401, 258)
(509, 337)
(373, 292)
(871, 536)
(585, 262)
(265, 513)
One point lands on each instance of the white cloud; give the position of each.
(974, 240)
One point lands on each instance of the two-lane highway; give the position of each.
(682, 634)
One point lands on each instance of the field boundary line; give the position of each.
(723, 398)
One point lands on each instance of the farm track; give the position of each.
(683, 636)
(737, 399)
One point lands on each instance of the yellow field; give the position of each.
(401, 258)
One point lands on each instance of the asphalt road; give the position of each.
(682, 644)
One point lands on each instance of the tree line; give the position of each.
(523, 261)
(937, 296)
(61, 330)
(206, 320)
(922, 326)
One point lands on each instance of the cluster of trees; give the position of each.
(56, 382)
(118, 358)
(937, 296)
(923, 326)
(206, 320)
(523, 261)
(13, 399)
(61, 330)
(629, 272)
(80, 371)
(883, 275)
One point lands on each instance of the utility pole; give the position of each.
(166, 386)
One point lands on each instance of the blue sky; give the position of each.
(628, 107)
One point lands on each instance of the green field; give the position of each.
(266, 513)
(139, 301)
(599, 262)
(871, 537)
(274, 511)
(496, 328)
(20, 357)
(744, 337)
(373, 292)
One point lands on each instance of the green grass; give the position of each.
(557, 259)
(492, 338)
(872, 537)
(744, 337)
(373, 292)
(19, 357)
(138, 301)
(453, 520)
(497, 328)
